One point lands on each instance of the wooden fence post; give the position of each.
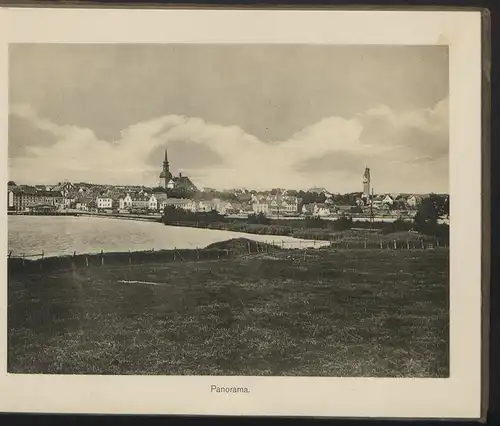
(23, 260)
(365, 243)
(395, 245)
(41, 261)
(381, 245)
(407, 244)
(175, 248)
(423, 246)
(129, 257)
(102, 258)
(10, 254)
(248, 245)
(197, 254)
(87, 261)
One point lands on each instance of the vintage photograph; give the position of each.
(228, 210)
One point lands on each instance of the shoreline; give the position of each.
(219, 250)
(380, 219)
(227, 249)
(285, 237)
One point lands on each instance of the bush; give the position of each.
(173, 215)
(396, 226)
(426, 219)
(259, 218)
(342, 224)
(314, 222)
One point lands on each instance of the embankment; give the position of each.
(224, 249)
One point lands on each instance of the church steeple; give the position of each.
(166, 165)
(165, 175)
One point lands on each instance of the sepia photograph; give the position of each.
(281, 223)
(228, 210)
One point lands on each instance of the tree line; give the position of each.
(426, 220)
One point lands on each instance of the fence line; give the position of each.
(251, 247)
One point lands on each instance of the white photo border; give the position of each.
(458, 396)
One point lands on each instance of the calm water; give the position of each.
(55, 235)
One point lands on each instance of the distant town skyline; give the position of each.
(255, 117)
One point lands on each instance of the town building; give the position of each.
(413, 200)
(276, 205)
(180, 203)
(83, 203)
(104, 202)
(233, 207)
(26, 198)
(64, 188)
(388, 200)
(324, 191)
(156, 200)
(206, 205)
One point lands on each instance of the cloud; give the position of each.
(417, 133)
(332, 149)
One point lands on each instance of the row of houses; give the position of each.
(156, 202)
(275, 205)
(29, 198)
(378, 201)
(87, 197)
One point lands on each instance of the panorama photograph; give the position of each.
(228, 210)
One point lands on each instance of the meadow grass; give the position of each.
(344, 313)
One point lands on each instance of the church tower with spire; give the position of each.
(165, 175)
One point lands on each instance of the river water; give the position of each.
(58, 235)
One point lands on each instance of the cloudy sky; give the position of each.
(231, 115)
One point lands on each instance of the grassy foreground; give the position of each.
(333, 313)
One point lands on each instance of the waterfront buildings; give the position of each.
(28, 198)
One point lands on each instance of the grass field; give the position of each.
(333, 313)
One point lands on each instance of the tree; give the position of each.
(427, 215)
(398, 205)
(180, 193)
(311, 197)
(446, 206)
(259, 218)
(343, 224)
(314, 222)
(429, 211)
(11, 183)
(157, 189)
